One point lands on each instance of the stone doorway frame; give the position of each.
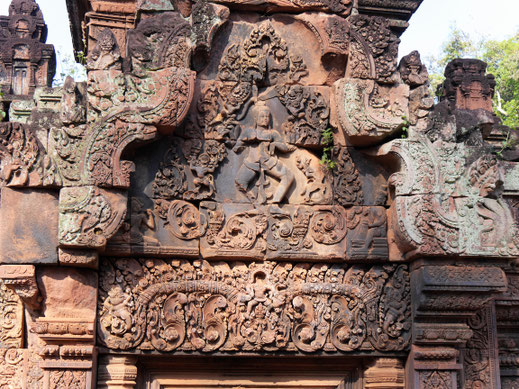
(200, 371)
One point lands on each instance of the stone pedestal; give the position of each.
(117, 372)
(385, 373)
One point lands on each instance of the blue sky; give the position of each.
(429, 27)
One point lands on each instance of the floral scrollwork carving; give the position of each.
(176, 305)
(328, 226)
(185, 221)
(11, 318)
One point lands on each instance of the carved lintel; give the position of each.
(21, 279)
(266, 306)
(117, 372)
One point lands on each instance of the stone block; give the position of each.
(68, 293)
(166, 229)
(29, 228)
(274, 232)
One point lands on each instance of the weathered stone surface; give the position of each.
(28, 232)
(88, 215)
(22, 280)
(19, 368)
(68, 293)
(24, 158)
(257, 307)
(214, 167)
(81, 258)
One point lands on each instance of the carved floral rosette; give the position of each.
(164, 305)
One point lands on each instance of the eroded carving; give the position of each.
(168, 305)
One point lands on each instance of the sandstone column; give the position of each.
(385, 373)
(117, 372)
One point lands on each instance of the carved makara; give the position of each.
(176, 305)
(445, 206)
(369, 111)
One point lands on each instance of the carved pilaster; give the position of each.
(117, 372)
(385, 373)
(432, 368)
(452, 328)
(480, 355)
(21, 279)
(65, 331)
(507, 317)
(11, 318)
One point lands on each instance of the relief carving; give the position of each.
(346, 183)
(449, 200)
(88, 215)
(19, 368)
(22, 281)
(175, 305)
(480, 354)
(373, 49)
(11, 318)
(341, 7)
(436, 380)
(376, 98)
(24, 159)
(224, 233)
(367, 238)
(261, 144)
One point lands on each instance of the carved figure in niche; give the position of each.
(22, 29)
(262, 142)
(141, 219)
(367, 236)
(73, 106)
(258, 293)
(106, 53)
(117, 303)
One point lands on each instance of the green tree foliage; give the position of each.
(503, 62)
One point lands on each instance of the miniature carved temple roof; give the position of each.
(26, 62)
